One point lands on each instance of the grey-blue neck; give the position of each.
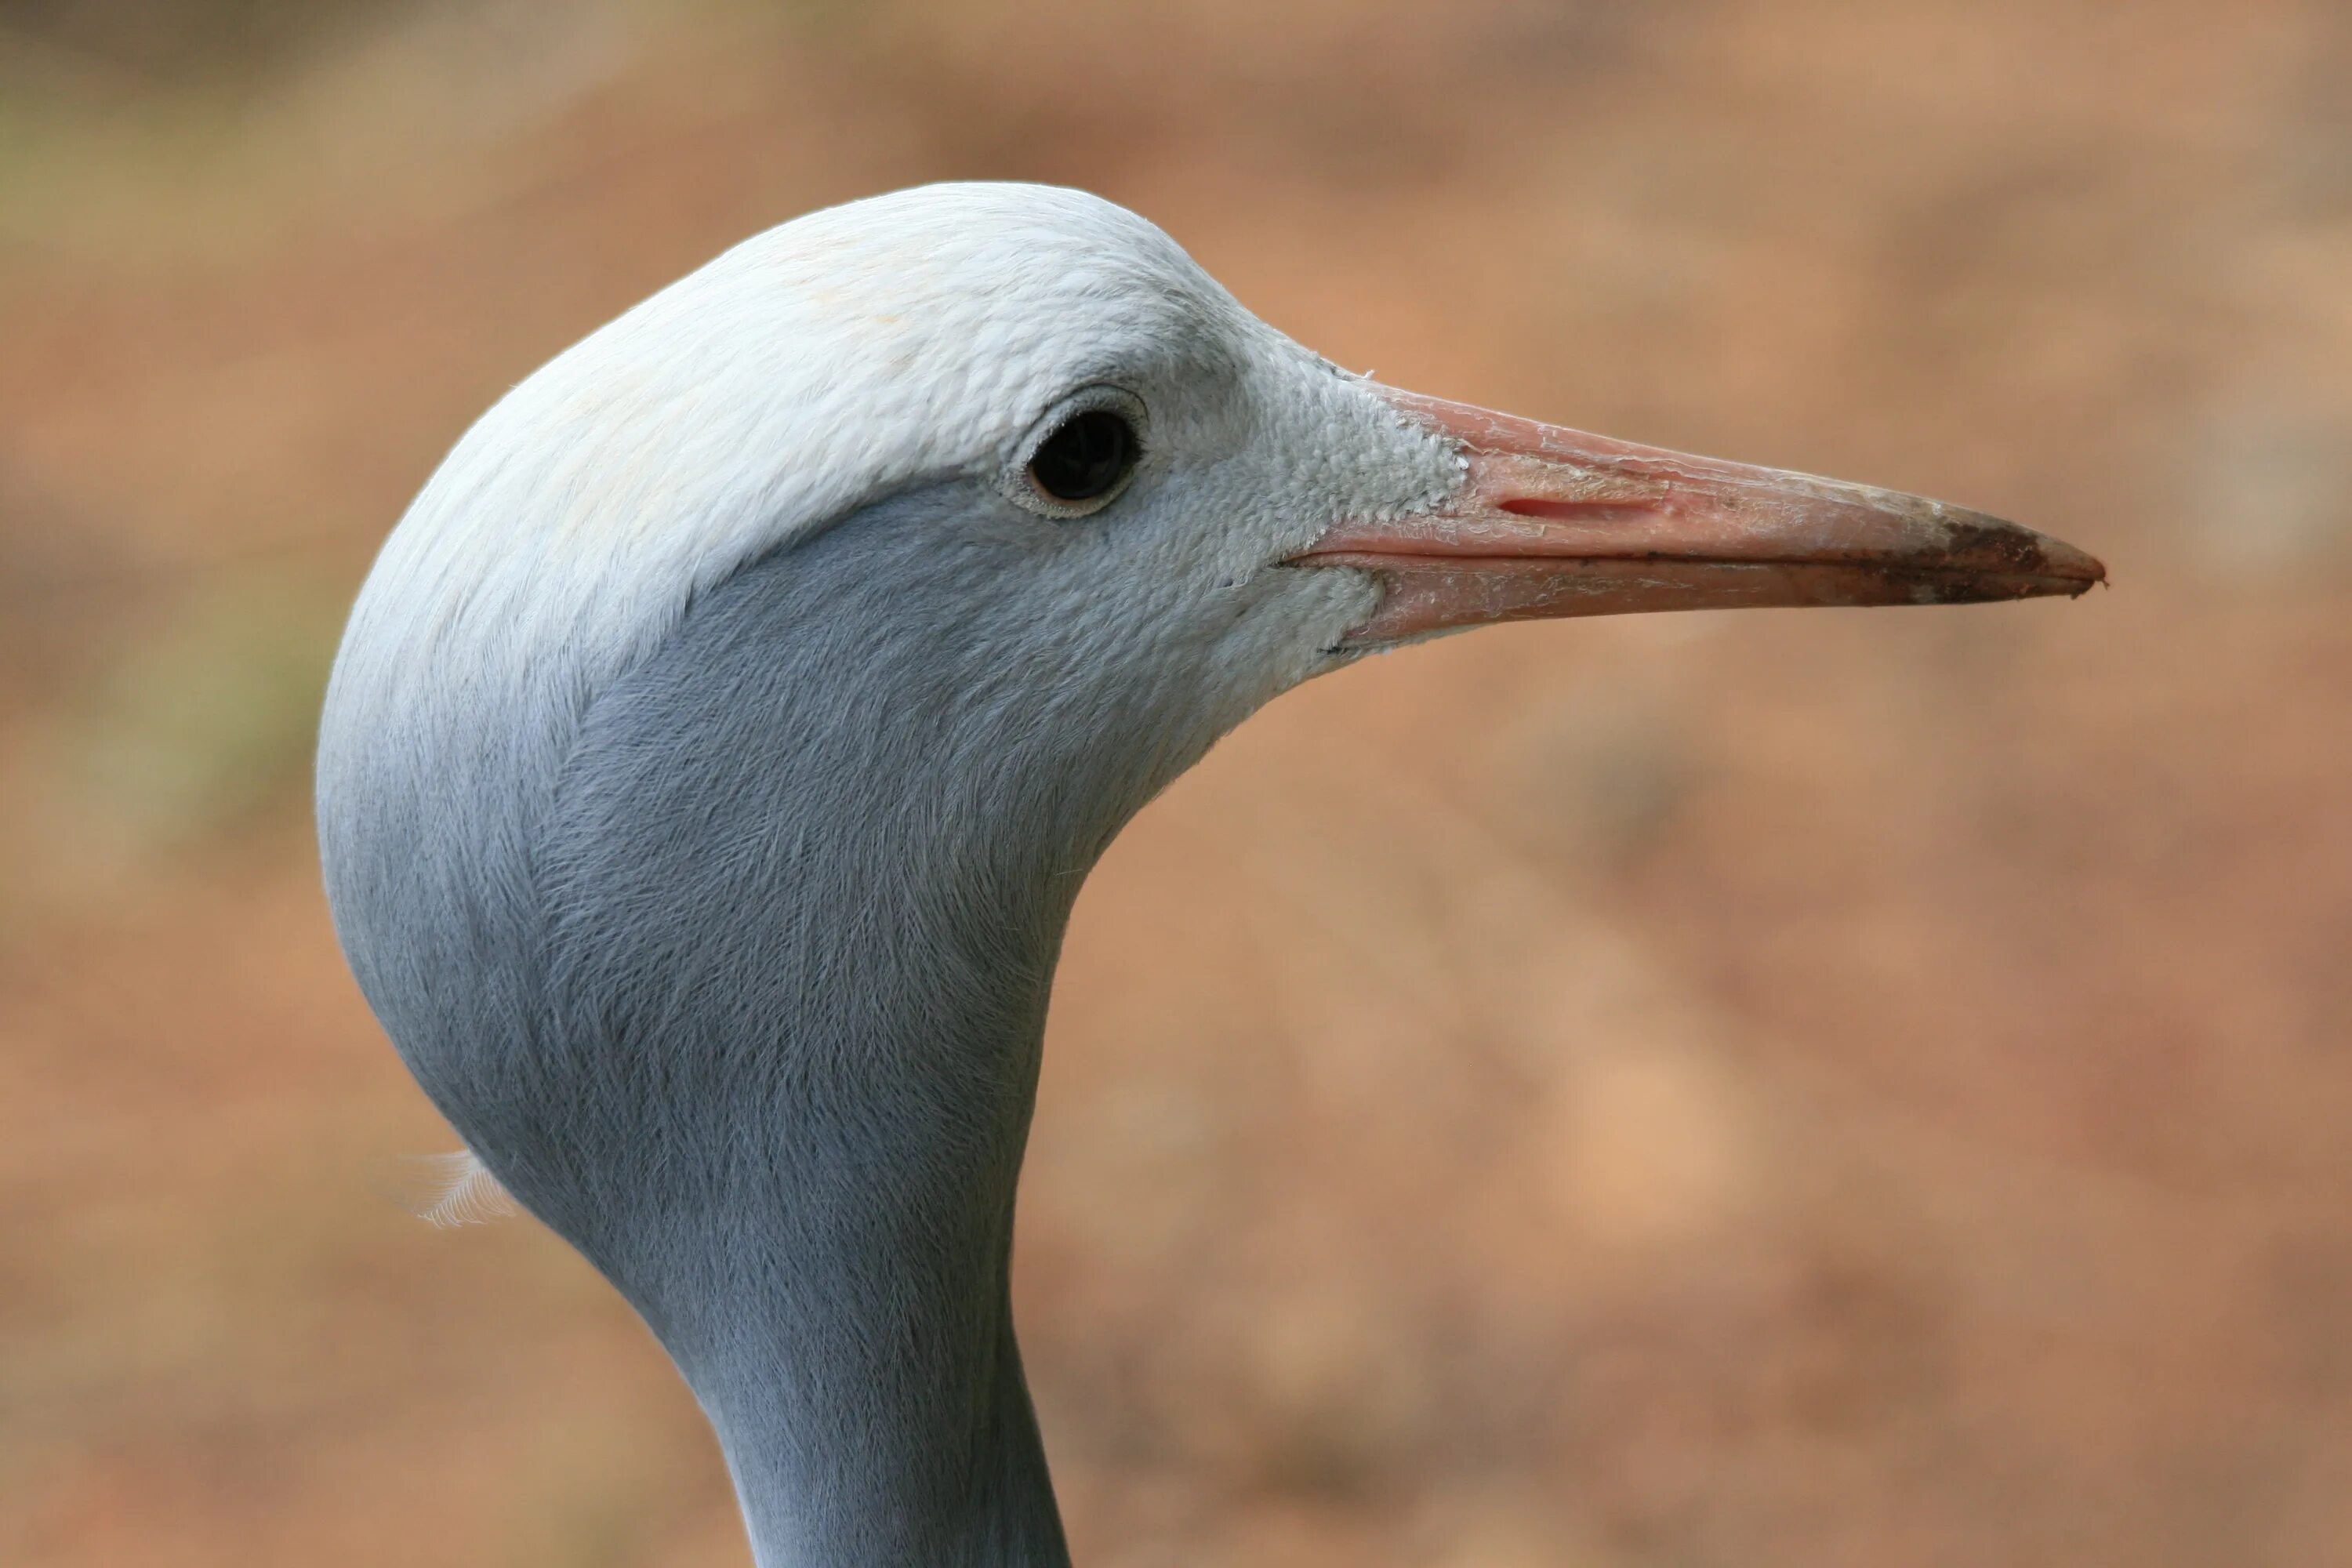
(816, 1018)
(769, 974)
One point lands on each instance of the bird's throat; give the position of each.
(837, 1294)
(870, 1436)
(829, 1265)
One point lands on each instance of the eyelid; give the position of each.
(1013, 479)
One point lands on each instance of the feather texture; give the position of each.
(464, 1192)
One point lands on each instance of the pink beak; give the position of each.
(1552, 523)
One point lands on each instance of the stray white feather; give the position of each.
(465, 1193)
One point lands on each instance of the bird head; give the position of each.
(831, 609)
(1079, 470)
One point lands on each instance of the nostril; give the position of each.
(1586, 511)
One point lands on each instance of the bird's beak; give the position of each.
(1550, 522)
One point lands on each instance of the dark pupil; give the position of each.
(1089, 454)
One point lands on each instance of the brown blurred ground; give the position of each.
(1866, 1089)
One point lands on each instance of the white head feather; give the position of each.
(807, 371)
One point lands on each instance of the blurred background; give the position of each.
(1755, 1089)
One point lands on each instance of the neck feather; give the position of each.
(742, 984)
(828, 1262)
(882, 1437)
(794, 993)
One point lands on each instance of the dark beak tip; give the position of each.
(2081, 572)
(2045, 566)
(2064, 579)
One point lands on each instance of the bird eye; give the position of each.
(1088, 456)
